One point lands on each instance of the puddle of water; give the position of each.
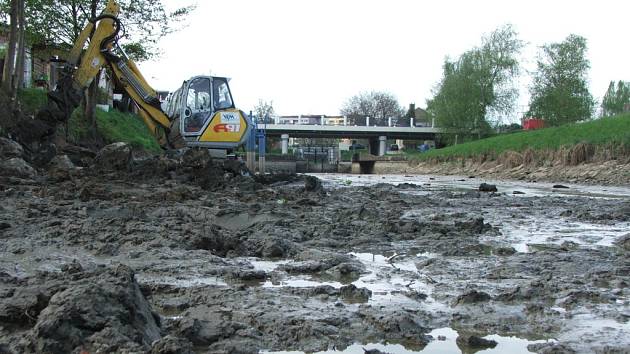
(389, 281)
(550, 231)
(448, 345)
(189, 282)
(267, 266)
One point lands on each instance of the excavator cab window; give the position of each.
(221, 94)
(198, 108)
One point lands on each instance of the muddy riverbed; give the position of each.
(124, 262)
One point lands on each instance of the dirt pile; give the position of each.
(99, 310)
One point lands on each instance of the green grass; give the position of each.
(115, 126)
(32, 99)
(611, 130)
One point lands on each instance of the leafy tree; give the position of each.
(559, 93)
(59, 22)
(616, 99)
(264, 110)
(478, 86)
(379, 106)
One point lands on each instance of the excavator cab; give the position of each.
(204, 115)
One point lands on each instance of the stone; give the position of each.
(470, 341)
(312, 184)
(10, 149)
(17, 167)
(113, 157)
(61, 167)
(196, 158)
(560, 186)
(472, 297)
(105, 312)
(485, 187)
(624, 242)
(172, 345)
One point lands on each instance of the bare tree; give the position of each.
(379, 106)
(264, 109)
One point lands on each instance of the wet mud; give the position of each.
(181, 254)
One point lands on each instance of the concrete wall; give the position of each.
(381, 167)
(280, 166)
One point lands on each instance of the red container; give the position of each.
(533, 123)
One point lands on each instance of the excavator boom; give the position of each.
(200, 116)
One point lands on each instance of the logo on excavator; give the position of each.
(227, 128)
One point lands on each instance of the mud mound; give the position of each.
(101, 313)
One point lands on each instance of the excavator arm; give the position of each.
(82, 66)
(202, 114)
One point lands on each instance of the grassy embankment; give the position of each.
(612, 131)
(113, 126)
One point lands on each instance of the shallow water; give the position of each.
(447, 345)
(432, 183)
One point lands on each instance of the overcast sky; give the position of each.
(311, 56)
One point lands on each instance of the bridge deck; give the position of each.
(347, 131)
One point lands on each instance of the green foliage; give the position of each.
(612, 130)
(378, 105)
(114, 126)
(559, 93)
(59, 22)
(616, 99)
(478, 85)
(32, 99)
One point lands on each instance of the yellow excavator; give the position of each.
(201, 113)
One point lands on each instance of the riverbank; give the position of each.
(612, 172)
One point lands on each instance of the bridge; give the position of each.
(375, 134)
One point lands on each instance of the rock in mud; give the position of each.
(236, 167)
(624, 242)
(474, 226)
(465, 341)
(102, 313)
(196, 158)
(61, 167)
(79, 156)
(485, 187)
(17, 167)
(172, 345)
(113, 157)
(10, 149)
(472, 297)
(560, 186)
(354, 294)
(312, 184)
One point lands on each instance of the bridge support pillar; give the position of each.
(285, 143)
(382, 145)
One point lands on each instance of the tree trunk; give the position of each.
(21, 50)
(9, 63)
(90, 109)
(91, 96)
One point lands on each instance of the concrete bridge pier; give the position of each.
(382, 145)
(378, 146)
(285, 143)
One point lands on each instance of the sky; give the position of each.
(309, 57)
